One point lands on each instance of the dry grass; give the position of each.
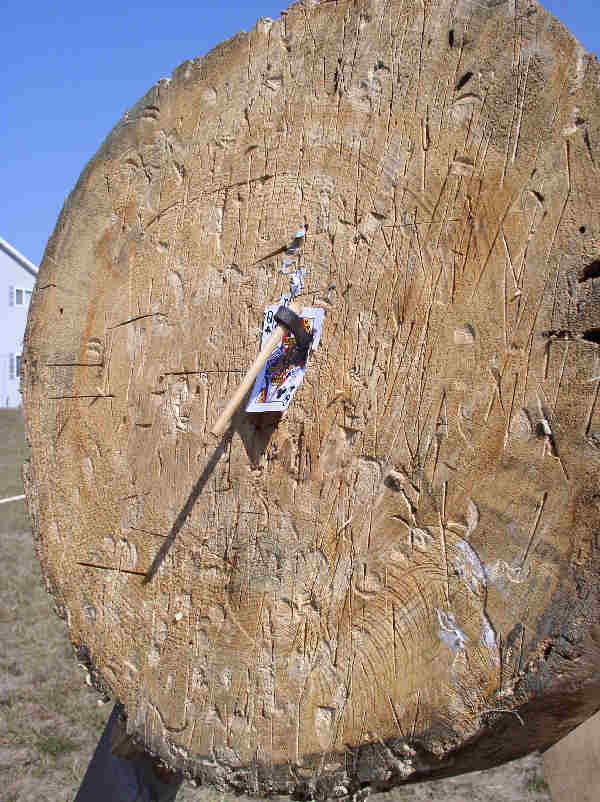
(13, 452)
(50, 721)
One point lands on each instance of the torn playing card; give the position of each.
(284, 371)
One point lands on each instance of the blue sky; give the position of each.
(69, 73)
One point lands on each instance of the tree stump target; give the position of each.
(398, 580)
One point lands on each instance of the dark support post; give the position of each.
(114, 778)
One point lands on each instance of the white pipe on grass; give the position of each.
(12, 498)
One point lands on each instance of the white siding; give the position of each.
(17, 280)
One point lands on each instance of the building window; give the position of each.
(18, 367)
(22, 296)
(11, 367)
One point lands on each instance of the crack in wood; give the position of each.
(62, 397)
(111, 568)
(137, 317)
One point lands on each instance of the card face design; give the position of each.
(284, 371)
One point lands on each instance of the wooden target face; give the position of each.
(370, 575)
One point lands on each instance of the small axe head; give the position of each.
(293, 322)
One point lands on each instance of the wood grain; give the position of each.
(371, 590)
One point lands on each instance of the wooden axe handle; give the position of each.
(248, 380)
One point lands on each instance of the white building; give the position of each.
(17, 278)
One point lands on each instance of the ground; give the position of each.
(50, 720)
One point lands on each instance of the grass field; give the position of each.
(50, 720)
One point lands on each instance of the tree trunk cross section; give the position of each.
(398, 579)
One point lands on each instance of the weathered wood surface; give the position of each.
(353, 597)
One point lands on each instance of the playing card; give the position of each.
(284, 371)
